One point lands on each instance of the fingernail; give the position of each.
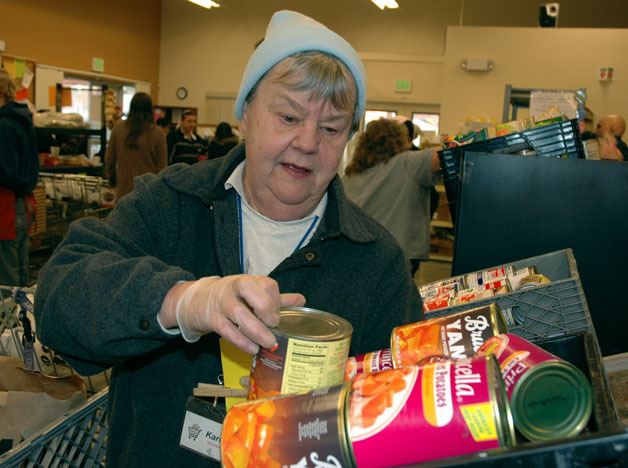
(274, 347)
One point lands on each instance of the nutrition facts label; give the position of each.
(313, 364)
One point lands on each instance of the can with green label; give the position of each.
(550, 398)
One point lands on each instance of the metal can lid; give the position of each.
(499, 402)
(311, 324)
(551, 401)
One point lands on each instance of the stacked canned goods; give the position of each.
(463, 402)
(479, 285)
(456, 336)
(453, 336)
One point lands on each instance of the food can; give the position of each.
(515, 276)
(479, 278)
(550, 398)
(458, 335)
(311, 352)
(368, 363)
(290, 430)
(417, 414)
(533, 281)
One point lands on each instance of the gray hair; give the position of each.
(326, 77)
(7, 85)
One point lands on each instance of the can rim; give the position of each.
(343, 424)
(498, 321)
(575, 381)
(339, 327)
(504, 420)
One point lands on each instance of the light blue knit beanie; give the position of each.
(288, 33)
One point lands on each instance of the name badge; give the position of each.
(202, 427)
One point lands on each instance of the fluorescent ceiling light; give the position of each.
(381, 4)
(206, 3)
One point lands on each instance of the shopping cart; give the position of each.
(78, 438)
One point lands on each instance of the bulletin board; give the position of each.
(22, 70)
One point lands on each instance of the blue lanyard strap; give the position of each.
(299, 245)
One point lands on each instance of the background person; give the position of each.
(393, 185)
(136, 146)
(615, 126)
(19, 169)
(218, 247)
(224, 141)
(164, 124)
(184, 140)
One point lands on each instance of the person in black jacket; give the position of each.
(19, 169)
(184, 144)
(224, 140)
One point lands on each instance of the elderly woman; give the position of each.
(216, 249)
(393, 185)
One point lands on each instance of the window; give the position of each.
(428, 123)
(370, 115)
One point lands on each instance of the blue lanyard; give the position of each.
(299, 245)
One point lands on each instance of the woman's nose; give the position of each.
(306, 138)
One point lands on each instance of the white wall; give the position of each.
(206, 51)
(531, 58)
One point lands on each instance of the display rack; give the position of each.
(42, 132)
(442, 230)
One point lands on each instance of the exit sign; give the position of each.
(403, 86)
(98, 64)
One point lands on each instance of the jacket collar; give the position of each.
(206, 181)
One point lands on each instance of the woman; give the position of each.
(270, 218)
(393, 185)
(223, 141)
(136, 146)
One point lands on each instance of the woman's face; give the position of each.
(293, 148)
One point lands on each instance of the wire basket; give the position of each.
(78, 438)
(559, 140)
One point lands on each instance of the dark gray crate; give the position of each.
(548, 311)
(78, 438)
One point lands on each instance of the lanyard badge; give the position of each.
(202, 427)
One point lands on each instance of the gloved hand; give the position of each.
(240, 308)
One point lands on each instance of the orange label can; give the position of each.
(457, 336)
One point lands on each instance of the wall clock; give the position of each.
(182, 93)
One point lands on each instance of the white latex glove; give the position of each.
(240, 308)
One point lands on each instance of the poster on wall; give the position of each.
(22, 70)
(542, 100)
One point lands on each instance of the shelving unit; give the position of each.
(81, 132)
(442, 229)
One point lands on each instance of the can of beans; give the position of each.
(368, 363)
(457, 335)
(311, 352)
(550, 398)
(417, 414)
(289, 430)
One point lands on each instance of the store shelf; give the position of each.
(441, 258)
(442, 224)
(68, 131)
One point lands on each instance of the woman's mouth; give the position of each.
(295, 168)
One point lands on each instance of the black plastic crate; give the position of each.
(547, 311)
(559, 140)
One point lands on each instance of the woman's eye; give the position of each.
(330, 130)
(289, 118)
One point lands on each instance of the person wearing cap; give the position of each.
(217, 248)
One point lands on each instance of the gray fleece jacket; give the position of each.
(98, 296)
